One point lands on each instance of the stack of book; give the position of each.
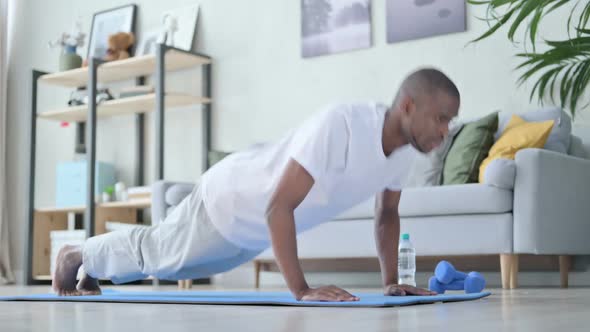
(139, 193)
(136, 91)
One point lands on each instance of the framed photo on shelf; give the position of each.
(180, 26)
(106, 23)
(146, 44)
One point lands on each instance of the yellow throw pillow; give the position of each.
(517, 135)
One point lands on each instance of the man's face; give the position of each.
(427, 120)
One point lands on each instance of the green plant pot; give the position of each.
(69, 61)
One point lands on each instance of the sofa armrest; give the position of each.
(551, 203)
(159, 206)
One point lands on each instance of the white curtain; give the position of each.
(6, 275)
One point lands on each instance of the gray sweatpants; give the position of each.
(185, 245)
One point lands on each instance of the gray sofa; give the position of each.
(546, 213)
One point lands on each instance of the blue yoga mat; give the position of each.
(245, 298)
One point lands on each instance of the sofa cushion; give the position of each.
(479, 234)
(427, 168)
(217, 156)
(469, 148)
(365, 210)
(579, 148)
(519, 134)
(176, 193)
(470, 198)
(560, 137)
(500, 173)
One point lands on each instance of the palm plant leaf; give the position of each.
(533, 9)
(565, 64)
(563, 70)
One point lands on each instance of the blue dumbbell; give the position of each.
(440, 288)
(445, 273)
(473, 283)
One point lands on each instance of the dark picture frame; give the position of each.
(121, 19)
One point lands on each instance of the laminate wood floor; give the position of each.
(555, 310)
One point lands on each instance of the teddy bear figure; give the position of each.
(119, 45)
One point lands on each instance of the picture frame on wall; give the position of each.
(417, 19)
(334, 26)
(106, 23)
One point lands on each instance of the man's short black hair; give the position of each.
(427, 81)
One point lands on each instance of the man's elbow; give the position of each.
(276, 208)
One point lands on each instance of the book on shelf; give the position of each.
(133, 91)
(139, 192)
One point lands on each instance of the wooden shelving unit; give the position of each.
(126, 69)
(72, 209)
(55, 219)
(122, 106)
(134, 203)
(43, 220)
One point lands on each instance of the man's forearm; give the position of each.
(387, 228)
(281, 223)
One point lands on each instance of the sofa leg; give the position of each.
(509, 270)
(185, 284)
(505, 264)
(565, 262)
(514, 272)
(257, 274)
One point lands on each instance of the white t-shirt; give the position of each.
(341, 148)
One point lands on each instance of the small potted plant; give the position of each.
(69, 42)
(107, 194)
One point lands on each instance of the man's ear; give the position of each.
(407, 104)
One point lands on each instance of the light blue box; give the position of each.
(71, 182)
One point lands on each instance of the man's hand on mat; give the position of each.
(402, 290)
(326, 294)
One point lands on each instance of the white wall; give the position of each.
(262, 86)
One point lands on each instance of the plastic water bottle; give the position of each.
(406, 262)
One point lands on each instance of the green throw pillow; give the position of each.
(470, 147)
(216, 156)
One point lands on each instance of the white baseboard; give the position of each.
(243, 277)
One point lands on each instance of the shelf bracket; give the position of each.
(159, 116)
(32, 162)
(89, 218)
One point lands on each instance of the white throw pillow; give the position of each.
(560, 137)
(427, 168)
(500, 173)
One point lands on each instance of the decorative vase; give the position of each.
(69, 59)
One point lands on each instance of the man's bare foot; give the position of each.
(88, 286)
(69, 260)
